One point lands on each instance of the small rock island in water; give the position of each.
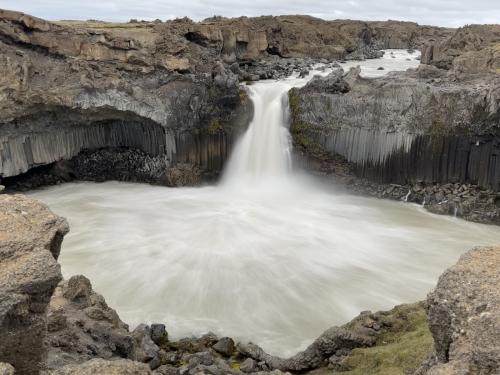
(260, 195)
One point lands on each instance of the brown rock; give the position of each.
(30, 241)
(464, 315)
(103, 367)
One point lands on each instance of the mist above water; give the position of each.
(267, 255)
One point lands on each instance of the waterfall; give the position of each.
(264, 151)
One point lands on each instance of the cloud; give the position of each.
(431, 12)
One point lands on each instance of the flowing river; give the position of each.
(268, 255)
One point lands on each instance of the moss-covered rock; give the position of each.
(400, 348)
(302, 132)
(215, 127)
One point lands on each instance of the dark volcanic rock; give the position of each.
(224, 346)
(352, 335)
(30, 241)
(404, 127)
(81, 327)
(159, 334)
(167, 89)
(155, 92)
(145, 349)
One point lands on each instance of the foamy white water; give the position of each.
(266, 256)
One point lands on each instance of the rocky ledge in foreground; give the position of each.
(456, 331)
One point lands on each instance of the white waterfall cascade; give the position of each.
(264, 151)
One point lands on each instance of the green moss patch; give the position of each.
(300, 130)
(215, 127)
(399, 350)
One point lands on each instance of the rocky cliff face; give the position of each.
(30, 242)
(406, 127)
(426, 125)
(169, 92)
(464, 316)
(305, 36)
(469, 50)
(64, 90)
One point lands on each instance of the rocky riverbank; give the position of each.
(54, 326)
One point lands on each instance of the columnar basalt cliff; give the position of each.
(160, 94)
(437, 124)
(65, 90)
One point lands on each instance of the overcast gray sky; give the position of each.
(432, 12)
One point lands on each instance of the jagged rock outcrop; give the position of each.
(464, 316)
(30, 242)
(305, 36)
(81, 326)
(473, 49)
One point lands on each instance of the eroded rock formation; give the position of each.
(464, 316)
(405, 127)
(30, 242)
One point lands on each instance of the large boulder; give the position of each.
(30, 242)
(464, 316)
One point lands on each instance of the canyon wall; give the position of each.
(168, 91)
(306, 36)
(425, 125)
(65, 90)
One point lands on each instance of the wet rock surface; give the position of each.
(466, 201)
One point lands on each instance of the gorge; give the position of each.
(244, 225)
(237, 161)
